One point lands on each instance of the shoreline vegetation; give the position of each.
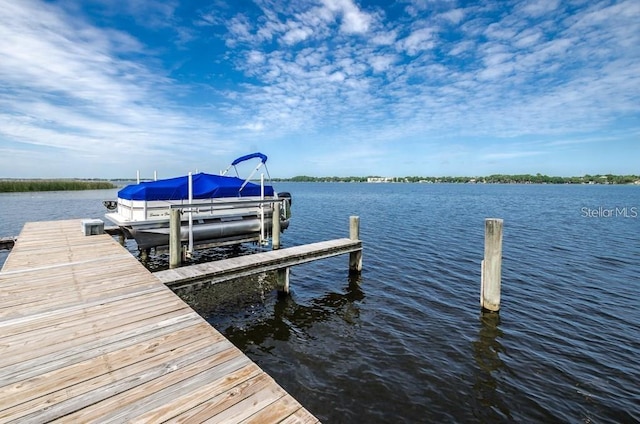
(491, 179)
(20, 186)
(32, 185)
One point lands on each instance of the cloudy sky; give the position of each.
(102, 88)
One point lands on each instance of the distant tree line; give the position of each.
(15, 186)
(491, 179)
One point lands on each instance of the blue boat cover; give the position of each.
(205, 186)
(262, 157)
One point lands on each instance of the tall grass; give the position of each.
(14, 186)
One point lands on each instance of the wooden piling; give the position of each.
(275, 227)
(282, 278)
(175, 244)
(355, 258)
(144, 255)
(491, 268)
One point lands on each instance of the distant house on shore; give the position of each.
(379, 179)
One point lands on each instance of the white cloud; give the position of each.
(453, 16)
(382, 63)
(296, 35)
(386, 38)
(419, 40)
(539, 7)
(353, 19)
(528, 38)
(461, 47)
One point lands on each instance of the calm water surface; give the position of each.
(406, 341)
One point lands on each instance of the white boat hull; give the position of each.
(216, 222)
(222, 232)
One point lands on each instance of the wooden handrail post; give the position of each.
(491, 268)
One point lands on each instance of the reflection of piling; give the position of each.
(491, 265)
(355, 258)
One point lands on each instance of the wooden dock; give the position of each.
(242, 266)
(87, 334)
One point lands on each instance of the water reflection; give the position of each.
(489, 402)
(158, 259)
(249, 311)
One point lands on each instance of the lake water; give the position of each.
(406, 341)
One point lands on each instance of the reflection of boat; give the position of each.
(217, 209)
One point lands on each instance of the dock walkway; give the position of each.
(242, 266)
(87, 334)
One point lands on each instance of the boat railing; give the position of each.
(260, 205)
(204, 207)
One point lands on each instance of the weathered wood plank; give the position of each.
(275, 412)
(301, 416)
(236, 403)
(75, 338)
(62, 311)
(106, 309)
(96, 364)
(188, 405)
(139, 332)
(254, 397)
(125, 406)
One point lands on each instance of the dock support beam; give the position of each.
(355, 258)
(175, 244)
(491, 268)
(275, 227)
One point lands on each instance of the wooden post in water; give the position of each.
(282, 278)
(275, 227)
(491, 269)
(355, 258)
(282, 274)
(144, 255)
(175, 244)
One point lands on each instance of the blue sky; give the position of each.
(102, 88)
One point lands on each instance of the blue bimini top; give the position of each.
(205, 186)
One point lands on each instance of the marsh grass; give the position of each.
(15, 186)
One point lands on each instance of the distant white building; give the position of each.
(379, 179)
